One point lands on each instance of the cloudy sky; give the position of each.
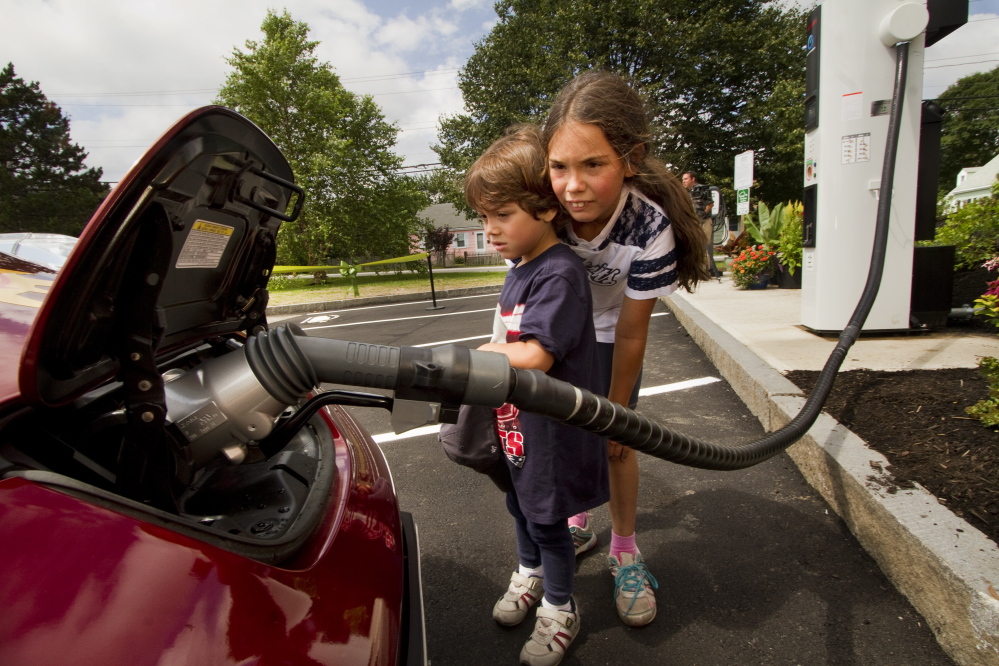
(124, 70)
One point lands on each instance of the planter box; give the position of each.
(787, 281)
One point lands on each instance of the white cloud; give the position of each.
(405, 34)
(85, 55)
(463, 5)
(972, 48)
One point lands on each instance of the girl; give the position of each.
(634, 226)
(545, 321)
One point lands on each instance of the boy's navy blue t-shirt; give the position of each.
(557, 469)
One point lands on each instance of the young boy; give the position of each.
(544, 321)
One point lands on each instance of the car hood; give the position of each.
(179, 252)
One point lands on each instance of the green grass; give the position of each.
(290, 290)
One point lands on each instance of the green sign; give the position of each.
(742, 202)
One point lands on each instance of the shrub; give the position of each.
(987, 411)
(973, 230)
(790, 238)
(751, 264)
(767, 230)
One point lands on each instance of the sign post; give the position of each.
(743, 181)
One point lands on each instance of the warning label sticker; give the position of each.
(856, 148)
(205, 245)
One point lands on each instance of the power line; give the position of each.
(405, 92)
(199, 91)
(378, 77)
(398, 92)
(415, 125)
(962, 64)
(385, 77)
(970, 55)
(951, 99)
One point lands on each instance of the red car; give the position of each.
(143, 521)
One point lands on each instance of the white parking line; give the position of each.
(393, 305)
(447, 342)
(383, 321)
(651, 390)
(415, 432)
(678, 386)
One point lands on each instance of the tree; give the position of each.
(973, 230)
(44, 184)
(720, 78)
(338, 144)
(438, 240)
(970, 133)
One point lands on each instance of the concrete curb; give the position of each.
(379, 300)
(943, 565)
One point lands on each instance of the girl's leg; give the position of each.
(634, 585)
(624, 495)
(623, 473)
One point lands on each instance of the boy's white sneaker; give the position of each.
(523, 592)
(554, 632)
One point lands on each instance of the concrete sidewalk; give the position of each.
(945, 567)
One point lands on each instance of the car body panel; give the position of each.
(108, 588)
(94, 575)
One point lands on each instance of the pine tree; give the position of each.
(44, 184)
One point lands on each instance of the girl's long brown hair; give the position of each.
(606, 100)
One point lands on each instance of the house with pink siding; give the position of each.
(469, 239)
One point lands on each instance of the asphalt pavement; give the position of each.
(754, 567)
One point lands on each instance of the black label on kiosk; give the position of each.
(812, 71)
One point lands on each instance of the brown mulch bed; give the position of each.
(916, 418)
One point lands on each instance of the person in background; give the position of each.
(700, 195)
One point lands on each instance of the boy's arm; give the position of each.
(526, 355)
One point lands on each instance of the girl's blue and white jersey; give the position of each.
(634, 255)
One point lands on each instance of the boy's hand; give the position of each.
(526, 355)
(619, 451)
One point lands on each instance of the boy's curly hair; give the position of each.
(514, 170)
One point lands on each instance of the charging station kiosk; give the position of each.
(849, 80)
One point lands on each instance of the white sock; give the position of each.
(567, 607)
(537, 572)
